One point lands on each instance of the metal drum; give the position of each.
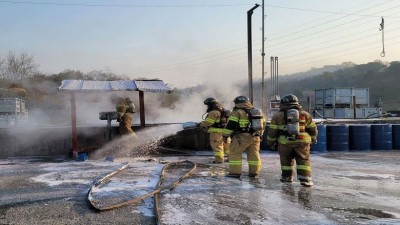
(396, 136)
(360, 137)
(264, 145)
(337, 137)
(320, 146)
(381, 136)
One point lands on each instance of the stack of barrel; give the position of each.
(357, 137)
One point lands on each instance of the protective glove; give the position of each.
(313, 141)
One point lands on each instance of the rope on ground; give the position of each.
(137, 199)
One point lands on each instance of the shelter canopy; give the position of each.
(117, 85)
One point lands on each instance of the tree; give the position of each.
(16, 67)
(394, 68)
(104, 76)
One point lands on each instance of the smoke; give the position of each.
(190, 106)
(49, 107)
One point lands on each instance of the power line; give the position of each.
(345, 23)
(330, 12)
(313, 44)
(377, 44)
(209, 55)
(123, 5)
(215, 54)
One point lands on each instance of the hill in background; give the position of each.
(381, 79)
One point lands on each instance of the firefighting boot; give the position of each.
(286, 179)
(306, 183)
(253, 175)
(237, 176)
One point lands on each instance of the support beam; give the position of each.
(74, 135)
(141, 105)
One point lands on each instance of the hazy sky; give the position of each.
(186, 42)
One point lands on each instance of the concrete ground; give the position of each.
(349, 188)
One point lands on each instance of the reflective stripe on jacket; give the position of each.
(212, 119)
(238, 121)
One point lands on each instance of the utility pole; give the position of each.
(262, 66)
(249, 49)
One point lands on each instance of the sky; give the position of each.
(186, 43)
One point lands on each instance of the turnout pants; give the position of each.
(125, 126)
(289, 153)
(219, 147)
(240, 143)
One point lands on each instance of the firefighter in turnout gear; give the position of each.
(292, 129)
(214, 123)
(125, 110)
(245, 137)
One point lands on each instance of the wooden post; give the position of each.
(141, 105)
(109, 126)
(74, 135)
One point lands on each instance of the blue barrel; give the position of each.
(337, 137)
(263, 144)
(320, 146)
(360, 137)
(381, 136)
(396, 136)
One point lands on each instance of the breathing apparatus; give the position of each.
(257, 122)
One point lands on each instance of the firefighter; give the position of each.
(292, 129)
(125, 110)
(214, 123)
(245, 137)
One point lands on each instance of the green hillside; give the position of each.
(383, 81)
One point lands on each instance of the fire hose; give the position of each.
(155, 192)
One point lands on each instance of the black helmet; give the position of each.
(289, 100)
(210, 101)
(241, 99)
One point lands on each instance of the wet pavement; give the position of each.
(349, 188)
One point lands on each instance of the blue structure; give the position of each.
(320, 146)
(381, 136)
(360, 137)
(338, 137)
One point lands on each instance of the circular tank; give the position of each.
(320, 146)
(337, 137)
(263, 144)
(396, 136)
(381, 136)
(360, 137)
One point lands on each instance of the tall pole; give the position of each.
(277, 75)
(262, 62)
(249, 49)
(272, 76)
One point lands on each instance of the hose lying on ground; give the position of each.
(137, 199)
